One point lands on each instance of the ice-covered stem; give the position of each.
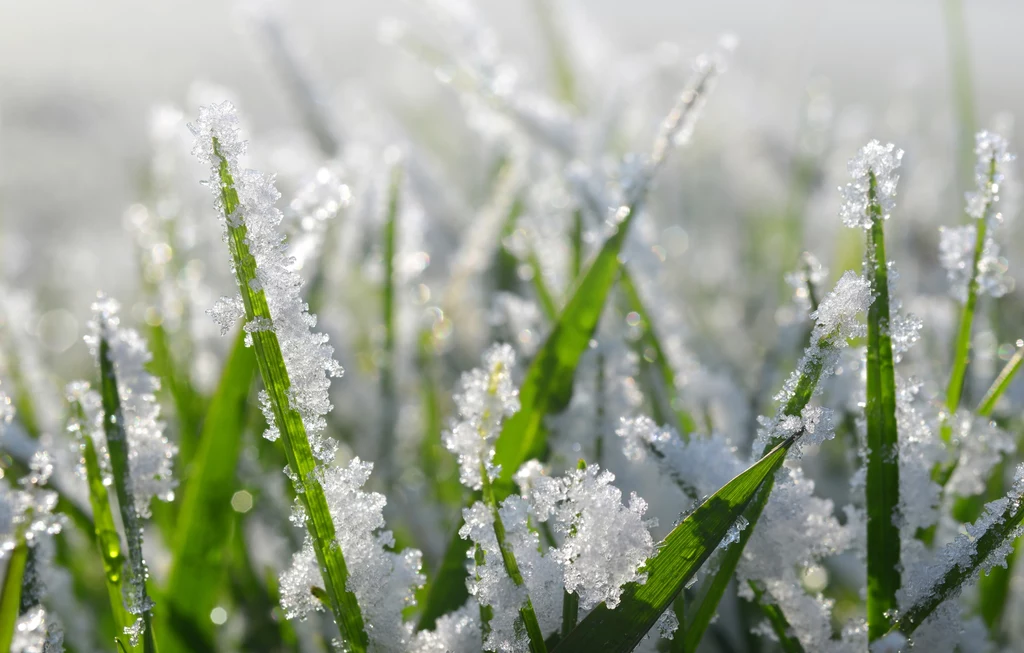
(835, 322)
(86, 410)
(985, 545)
(527, 612)
(135, 596)
(868, 199)
(991, 150)
(297, 393)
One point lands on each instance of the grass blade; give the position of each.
(108, 541)
(1002, 382)
(547, 387)
(883, 480)
(270, 362)
(117, 448)
(827, 336)
(961, 353)
(679, 556)
(966, 567)
(10, 593)
(200, 551)
(684, 421)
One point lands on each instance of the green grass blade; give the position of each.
(117, 448)
(679, 556)
(883, 480)
(187, 403)
(699, 616)
(547, 387)
(200, 551)
(961, 353)
(270, 363)
(963, 91)
(684, 420)
(10, 593)
(1002, 382)
(953, 580)
(108, 541)
(576, 262)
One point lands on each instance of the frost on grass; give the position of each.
(307, 356)
(604, 543)
(941, 630)
(455, 632)
(36, 631)
(982, 444)
(490, 583)
(807, 281)
(150, 453)
(958, 245)
(26, 511)
(881, 161)
(990, 170)
(382, 580)
(486, 397)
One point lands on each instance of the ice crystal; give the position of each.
(605, 543)
(490, 583)
(989, 173)
(307, 356)
(456, 632)
(226, 312)
(956, 253)
(382, 580)
(982, 445)
(486, 397)
(807, 279)
(36, 632)
(150, 453)
(873, 160)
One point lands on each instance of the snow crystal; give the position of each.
(486, 397)
(382, 580)
(150, 453)
(307, 356)
(605, 543)
(982, 444)
(808, 278)
(226, 312)
(956, 253)
(880, 161)
(991, 150)
(36, 632)
(491, 585)
(456, 632)
(836, 317)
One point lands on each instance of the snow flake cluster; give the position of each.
(150, 453)
(486, 397)
(877, 161)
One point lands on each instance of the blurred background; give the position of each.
(77, 79)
